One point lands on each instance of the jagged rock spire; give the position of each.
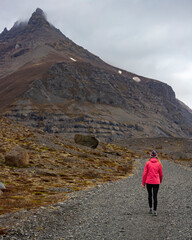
(39, 11)
(38, 18)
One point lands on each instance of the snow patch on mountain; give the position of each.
(74, 60)
(136, 79)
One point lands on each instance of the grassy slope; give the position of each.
(57, 167)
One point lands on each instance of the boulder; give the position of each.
(2, 186)
(17, 157)
(89, 141)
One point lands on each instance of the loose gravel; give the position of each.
(112, 211)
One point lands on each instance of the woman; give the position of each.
(152, 177)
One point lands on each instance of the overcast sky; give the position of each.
(152, 38)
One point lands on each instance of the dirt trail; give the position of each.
(117, 211)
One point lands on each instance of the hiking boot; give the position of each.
(154, 213)
(150, 211)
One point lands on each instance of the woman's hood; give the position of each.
(153, 160)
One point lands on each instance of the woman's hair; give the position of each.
(159, 162)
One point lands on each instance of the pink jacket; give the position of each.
(152, 173)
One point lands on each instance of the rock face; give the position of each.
(17, 157)
(88, 141)
(49, 82)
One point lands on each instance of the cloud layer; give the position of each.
(151, 38)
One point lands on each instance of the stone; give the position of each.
(17, 157)
(89, 141)
(2, 186)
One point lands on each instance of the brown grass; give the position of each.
(57, 167)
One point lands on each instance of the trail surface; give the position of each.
(115, 211)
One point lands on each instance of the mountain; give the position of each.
(47, 81)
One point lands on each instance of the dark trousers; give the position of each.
(152, 188)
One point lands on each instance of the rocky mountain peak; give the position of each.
(38, 18)
(39, 11)
(22, 29)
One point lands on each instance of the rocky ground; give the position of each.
(69, 191)
(115, 210)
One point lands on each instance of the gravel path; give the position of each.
(115, 211)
